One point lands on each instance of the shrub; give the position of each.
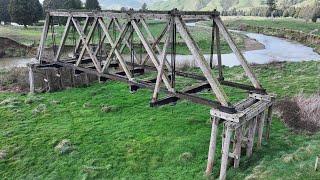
(301, 113)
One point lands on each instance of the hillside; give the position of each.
(218, 4)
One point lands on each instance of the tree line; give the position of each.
(28, 12)
(308, 12)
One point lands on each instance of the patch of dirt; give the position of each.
(11, 48)
(252, 44)
(274, 64)
(301, 113)
(13, 89)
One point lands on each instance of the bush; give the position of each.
(301, 113)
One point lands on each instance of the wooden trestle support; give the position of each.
(241, 121)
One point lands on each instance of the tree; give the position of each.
(38, 10)
(271, 7)
(92, 4)
(53, 4)
(25, 12)
(144, 7)
(4, 12)
(123, 9)
(72, 4)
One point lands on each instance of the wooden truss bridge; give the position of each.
(107, 58)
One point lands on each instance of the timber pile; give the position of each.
(56, 78)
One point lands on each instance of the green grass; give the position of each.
(25, 36)
(135, 141)
(288, 23)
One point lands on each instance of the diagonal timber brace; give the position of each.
(86, 41)
(152, 55)
(215, 85)
(237, 52)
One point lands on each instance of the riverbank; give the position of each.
(307, 33)
(135, 141)
(12, 48)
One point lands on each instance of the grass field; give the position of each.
(288, 23)
(135, 141)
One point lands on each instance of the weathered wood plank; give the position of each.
(136, 14)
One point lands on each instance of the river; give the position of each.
(9, 63)
(276, 49)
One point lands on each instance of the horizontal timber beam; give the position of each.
(135, 14)
(142, 84)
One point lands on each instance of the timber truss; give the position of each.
(129, 27)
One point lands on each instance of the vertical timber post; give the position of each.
(43, 37)
(219, 52)
(237, 147)
(251, 134)
(213, 145)
(31, 79)
(269, 121)
(225, 152)
(260, 129)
